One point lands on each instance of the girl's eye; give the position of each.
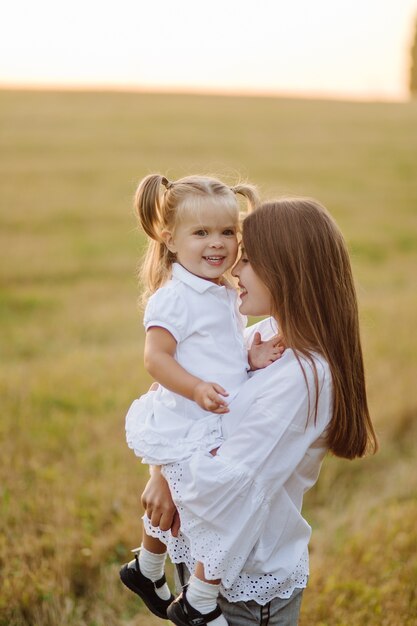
(229, 232)
(244, 259)
(200, 233)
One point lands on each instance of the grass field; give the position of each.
(71, 337)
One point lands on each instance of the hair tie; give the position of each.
(166, 183)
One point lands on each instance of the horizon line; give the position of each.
(201, 91)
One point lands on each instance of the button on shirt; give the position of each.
(203, 318)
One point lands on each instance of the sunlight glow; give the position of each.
(347, 48)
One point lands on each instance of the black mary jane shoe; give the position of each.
(132, 577)
(183, 614)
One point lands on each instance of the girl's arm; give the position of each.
(159, 360)
(263, 353)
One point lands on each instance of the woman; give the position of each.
(294, 268)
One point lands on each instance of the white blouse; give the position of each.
(162, 426)
(241, 510)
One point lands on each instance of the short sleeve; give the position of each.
(167, 309)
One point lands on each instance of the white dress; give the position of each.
(240, 511)
(161, 426)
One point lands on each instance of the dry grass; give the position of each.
(71, 337)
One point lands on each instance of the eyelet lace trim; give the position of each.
(262, 588)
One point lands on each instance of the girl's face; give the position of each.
(206, 245)
(255, 296)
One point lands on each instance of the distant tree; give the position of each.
(413, 67)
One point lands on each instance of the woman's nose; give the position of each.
(236, 270)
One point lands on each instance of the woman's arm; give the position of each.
(157, 501)
(269, 429)
(267, 434)
(159, 360)
(228, 496)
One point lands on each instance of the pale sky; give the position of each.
(341, 48)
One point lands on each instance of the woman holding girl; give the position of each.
(240, 509)
(194, 344)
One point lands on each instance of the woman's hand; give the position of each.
(158, 504)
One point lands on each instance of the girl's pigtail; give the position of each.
(251, 195)
(149, 206)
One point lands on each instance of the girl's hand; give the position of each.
(158, 504)
(263, 353)
(208, 396)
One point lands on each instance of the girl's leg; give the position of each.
(199, 573)
(202, 595)
(153, 544)
(152, 558)
(144, 575)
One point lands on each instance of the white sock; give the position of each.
(152, 566)
(203, 597)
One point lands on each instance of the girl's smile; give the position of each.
(206, 245)
(215, 261)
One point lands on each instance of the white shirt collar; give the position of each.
(195, 282)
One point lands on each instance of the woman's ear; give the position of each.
(168, 239)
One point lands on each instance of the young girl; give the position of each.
(194, 341)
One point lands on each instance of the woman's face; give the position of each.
(255, 296)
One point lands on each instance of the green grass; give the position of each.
(71, 337)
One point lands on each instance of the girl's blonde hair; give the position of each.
(299, 253)
(160, 204)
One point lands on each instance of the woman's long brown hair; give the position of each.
(299, 253)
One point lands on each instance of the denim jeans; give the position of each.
(277, 612)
